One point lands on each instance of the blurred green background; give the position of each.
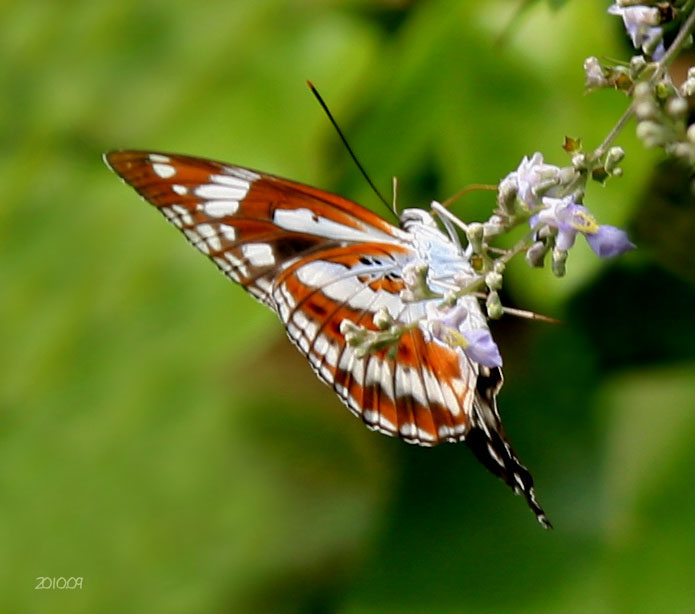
(159, 436)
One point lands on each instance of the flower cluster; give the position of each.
(643, 26)
(570, 219)
(553, 195)
(549, 198)
(663, 118)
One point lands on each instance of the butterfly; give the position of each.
(329, 269)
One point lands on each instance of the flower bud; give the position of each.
(650, 133)
(475, 235)
(506, 193)
(677, 108)
(642, 91)
(593, 70)
(690, 134)
(382, 319)
(579, 161)
(535, 255)
(558, 261)
(637, 64)
(494, 306)
(614, 157)
(664, 90)
(646, 109)
(493, 280)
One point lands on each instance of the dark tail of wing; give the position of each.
(488, 441)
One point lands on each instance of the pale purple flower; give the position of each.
(569, 219)
(594, 74)
(442, 320)
(448, 326)
(481, 348)
(531, 175)
(641, 23)
(609, 241)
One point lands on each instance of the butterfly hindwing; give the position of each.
(419, 391)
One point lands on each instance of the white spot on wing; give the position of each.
(236, 173)
(305, 220)
(206, 230)
(370, 416)
(408, 383)
(387, 380)
(424, 436)
(348, 288)
(450, 399)
(408, 429)
(264, 284)
(432, 387)
(217, 191)
(228, 232)
(164, 170)
(183, 213)
(220, 208)
(237, 263)
(179, 189)
(258, 254)
(223, 264)
(192, 235)
(231, 181)
(158, 158)
(388, 426)
(321, 346)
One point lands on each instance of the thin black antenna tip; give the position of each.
(328, 113)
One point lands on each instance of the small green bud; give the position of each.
(663, 90)
(494, 306)
(383, 319)
(558, 262)
(614, 157)
(475, 235)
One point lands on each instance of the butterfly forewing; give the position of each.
(250, 224)
(319, 260)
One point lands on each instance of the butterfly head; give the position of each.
(412, 218)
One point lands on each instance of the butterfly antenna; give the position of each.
(326, 110)
(469, 188)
